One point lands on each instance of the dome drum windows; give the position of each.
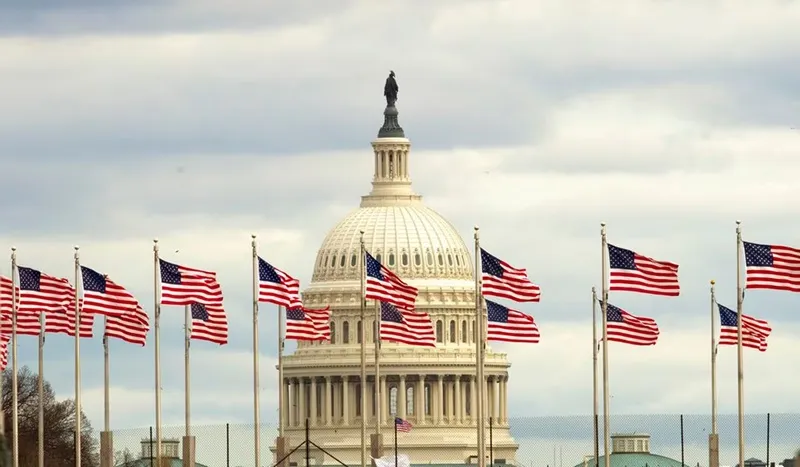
(404, 258)
(429, 258)
(353, 260)
(391, 259)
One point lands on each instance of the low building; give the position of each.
(170, 455)
(632, 450)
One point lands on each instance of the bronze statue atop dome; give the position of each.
(390, 90)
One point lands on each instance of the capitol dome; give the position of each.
(433, 388)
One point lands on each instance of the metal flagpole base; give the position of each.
(106, 449)
(281, 451)
(375, 446)
(188, 451)
(713, 450)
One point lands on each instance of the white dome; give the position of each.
(412, 240)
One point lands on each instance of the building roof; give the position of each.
(637, 459)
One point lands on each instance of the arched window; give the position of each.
(342, 261)
(358, 332)
(417, 259)
(458, 260)
(441, 260)
(391, 259)
(333, 332)
(404, 259)
(449, 259)
(333, 260)
(410, 400)
(378, 258)
(429, 258)
(353, 260)
(464, 331)
(325, 262)
(439, 331)
(393, 400)
(452, 331)
(345, 333)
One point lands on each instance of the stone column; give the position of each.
(439, 406)
(459, 404)
(496, 399)
(302, 399)
(328, 405)
(401, 397)
(345, 401)
(505, 400)
(290, 402)
(313, 400)
(419, 405)
(450, 401)
(385, 400)
(473, 409)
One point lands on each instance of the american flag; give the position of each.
(64, 323)
(632, 272)
(42, 293)
(507, 325)
(402, 425)
(4, 351)
(27, 324)
(183, 286)
(386, 286)
(275, 286)
(406, 327)
(6, 295)
(773, 267)
(500, 279)
(306, 324)
(626, 328)
(103, 297)
(131, 327)
(754, 331)
(209, 323)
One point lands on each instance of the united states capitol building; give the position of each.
(434, 389)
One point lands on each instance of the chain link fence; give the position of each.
(553, 441)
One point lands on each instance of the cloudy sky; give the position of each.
(200, 122)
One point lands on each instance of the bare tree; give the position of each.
(123, 458)
(59, 424)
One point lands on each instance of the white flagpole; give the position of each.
(713, 451)
(378, 400)
(363, 356)
(479, 349)
(157, 339)
(14, 369)
(106, 380)
(604, 311)
(187, 381)
(713, 363)
(41, 390)
(77, 360)
(256, 376)
(739, 352)
(595, 391)
(281, 341)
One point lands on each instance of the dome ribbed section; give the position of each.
(414, 241)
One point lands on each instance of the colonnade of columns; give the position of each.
(429, 400)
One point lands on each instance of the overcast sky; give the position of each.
(200, 122)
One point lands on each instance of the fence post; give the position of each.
(228, 445)
(152, 454)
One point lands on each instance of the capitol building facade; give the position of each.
(434, 389)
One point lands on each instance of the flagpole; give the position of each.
(41, 390)
(713, 364)
(739, 352)
(14, 369)
(378, 400)
(479, 335)
(187, 382)
(281, 341)
(77, 360)
(256, 375)
(363, 356)
(604, 311)
(595, 351)
(106, 380)
(157, 339)
(713, 439)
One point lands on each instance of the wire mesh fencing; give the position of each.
(553, 441)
